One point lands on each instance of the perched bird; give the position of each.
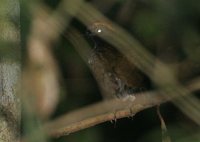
(116, 75)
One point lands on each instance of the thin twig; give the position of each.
(165, 135)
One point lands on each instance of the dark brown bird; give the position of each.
(115, 74)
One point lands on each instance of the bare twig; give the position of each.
(165, 135)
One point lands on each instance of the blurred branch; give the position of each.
(82, 47)
(41, 74)
(194, 84)
(106, 111)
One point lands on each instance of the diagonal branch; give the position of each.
(108, 111)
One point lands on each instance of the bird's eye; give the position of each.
(99, 28)
(99, 31)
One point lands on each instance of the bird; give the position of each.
(117, 75)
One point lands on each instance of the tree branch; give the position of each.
(107, 111)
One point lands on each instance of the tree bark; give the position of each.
(9, 70)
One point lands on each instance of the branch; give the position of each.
(107, 111)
